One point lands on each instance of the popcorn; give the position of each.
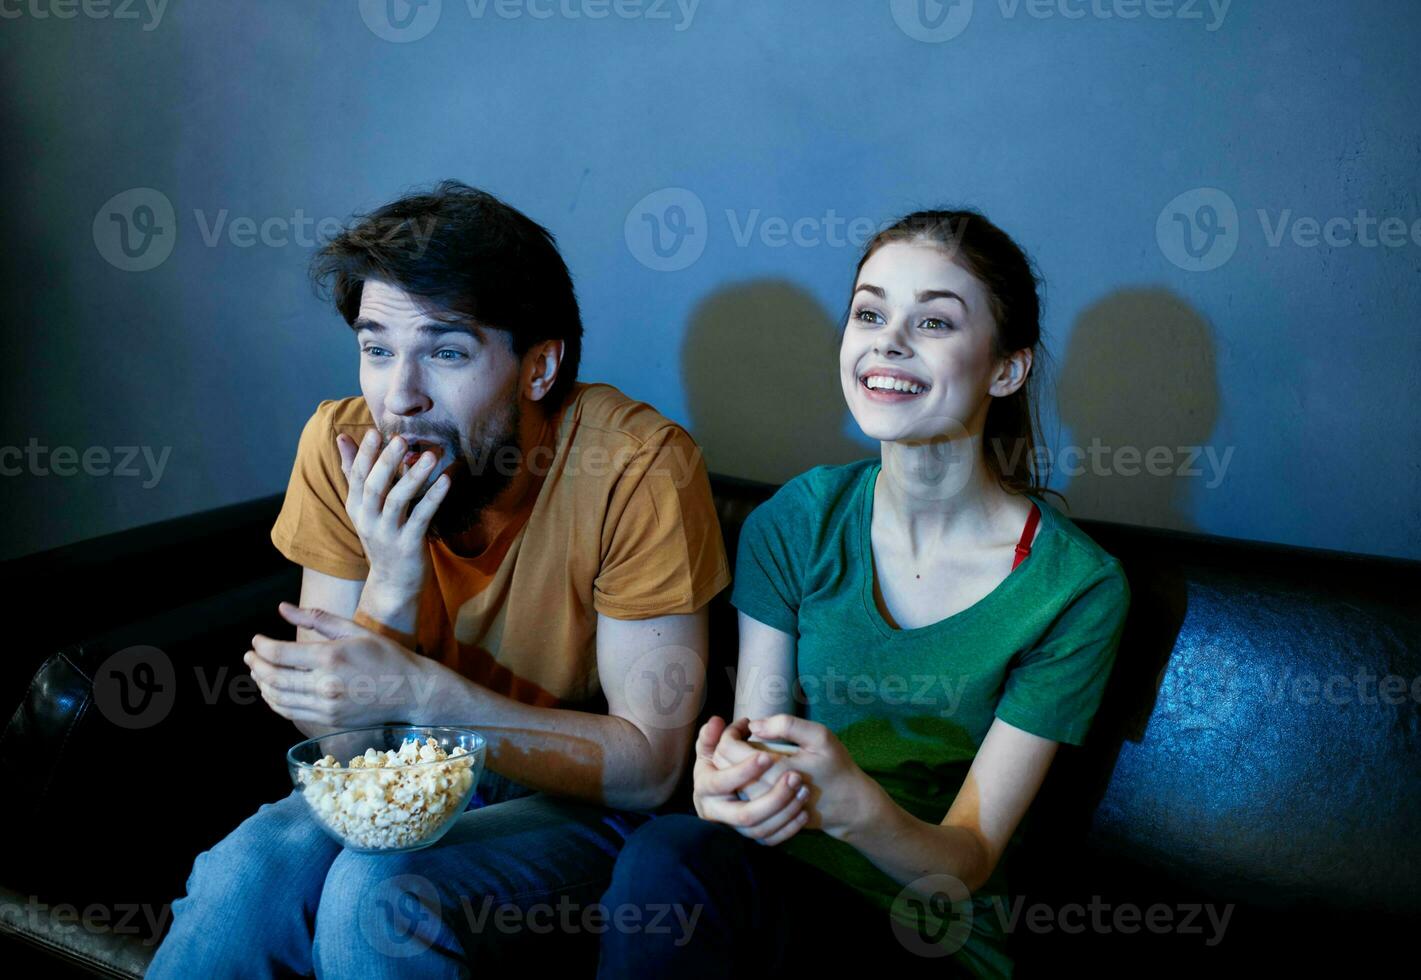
(386, 799)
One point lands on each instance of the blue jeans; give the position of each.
(278, 897)
(757, 912)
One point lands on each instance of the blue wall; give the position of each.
(1280, 373)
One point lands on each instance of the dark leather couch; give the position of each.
(1215, 775)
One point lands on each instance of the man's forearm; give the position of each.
(397, 611)
(392, 615)
(603, 759)
(906, 848)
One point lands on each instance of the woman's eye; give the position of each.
(934, 324)
(868, 316)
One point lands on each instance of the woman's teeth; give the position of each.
(878, 382)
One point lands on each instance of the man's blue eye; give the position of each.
(376, 351)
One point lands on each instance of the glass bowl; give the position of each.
(403, 803)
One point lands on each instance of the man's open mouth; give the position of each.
(417, 447)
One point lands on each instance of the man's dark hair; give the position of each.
(462, 250)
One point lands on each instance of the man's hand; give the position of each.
(352, 678)
(394, 543)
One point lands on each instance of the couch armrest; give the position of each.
(132, 751)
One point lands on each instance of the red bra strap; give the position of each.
(1023, 547)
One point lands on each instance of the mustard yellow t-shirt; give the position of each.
(623, 524)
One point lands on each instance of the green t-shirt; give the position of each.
(912, 706)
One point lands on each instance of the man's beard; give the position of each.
(477, 480)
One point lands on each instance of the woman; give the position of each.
(923, 627)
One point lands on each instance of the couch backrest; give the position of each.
(1213, 767)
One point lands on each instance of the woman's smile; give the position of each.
(891, 385)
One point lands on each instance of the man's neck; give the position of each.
(535, 429)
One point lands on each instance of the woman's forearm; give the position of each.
(906, 848)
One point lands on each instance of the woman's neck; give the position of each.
(941, 493)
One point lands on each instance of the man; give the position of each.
(485, 542)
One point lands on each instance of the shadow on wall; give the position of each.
(1139, 393)
(760, 365)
